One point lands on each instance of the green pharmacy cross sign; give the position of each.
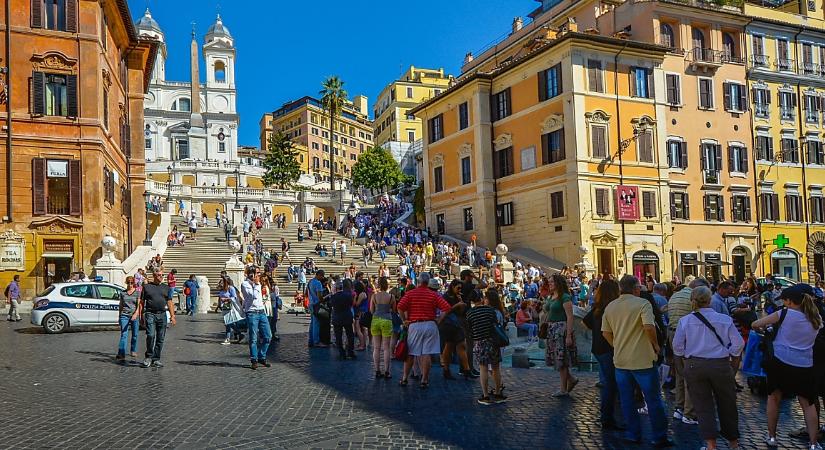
(781, 241)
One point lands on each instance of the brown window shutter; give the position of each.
(38, 186)
(545, 148)
(71, 96)
(38, 93)
(37, 13)
(71, 16)
(649, 203)
(542, 85)
(75, 188)
(127, 140)
(562, 154)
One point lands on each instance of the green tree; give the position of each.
(281, 162)
(376, 169)
(333, 97)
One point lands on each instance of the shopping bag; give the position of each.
(232, 316)
(401, 349)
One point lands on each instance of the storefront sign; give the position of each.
(12, 253)
(57, 169)
(713, 257)
(627, 201)
(688, 258)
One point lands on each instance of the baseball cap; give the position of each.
(796, 292)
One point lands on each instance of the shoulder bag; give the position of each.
(500, 337)
(769, 360)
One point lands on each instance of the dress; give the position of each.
(556, 352)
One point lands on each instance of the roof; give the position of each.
(148, 23)
(218, 29)
(126, 16)
(585, 37)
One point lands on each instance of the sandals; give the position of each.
(387, 375)
(424, 384)
(403, 382)
(378, 374)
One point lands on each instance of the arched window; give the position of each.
(667, 39)
(728, 45)
(220, 72)
(698, 38)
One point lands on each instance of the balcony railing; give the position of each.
(785, 64)
(706, 55)
(760, 60)
(809, 68)
(710, 176)
(811, 116)
(762, 110)
(787, 114)
(728, 57)
(57, 205)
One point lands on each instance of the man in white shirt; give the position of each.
(334, 246)
(253, 305)
(193, 226)
(343, 251)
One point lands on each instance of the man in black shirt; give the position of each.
(153, 304)
(342, 303)
(468, 288)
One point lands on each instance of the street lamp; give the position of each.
(147, 241)
(169, 185)
(237, 184)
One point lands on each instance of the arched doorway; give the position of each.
(741, 260)
(785, 263)
(816, 256)
(645, 263)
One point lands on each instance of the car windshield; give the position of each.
(46, 291)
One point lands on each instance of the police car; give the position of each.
(65, 305)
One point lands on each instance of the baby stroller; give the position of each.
(752, 365)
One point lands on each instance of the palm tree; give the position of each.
(333, 97)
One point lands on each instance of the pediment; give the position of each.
(56, 224)
(53, 61)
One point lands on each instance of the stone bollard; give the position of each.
(521, 360)
(204, 295)
(512, 331)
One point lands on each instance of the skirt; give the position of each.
(485, 352)
(556, 353)
(423, 339)
(793, 381)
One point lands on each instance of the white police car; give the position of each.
(65, 305)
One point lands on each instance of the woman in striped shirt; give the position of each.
(482, 318)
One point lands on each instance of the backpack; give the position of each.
(6, 291)
(187, 290)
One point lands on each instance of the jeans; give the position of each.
(191, 304)
(259, 335)
(532, 329)
(609, 390)
(648, 381)
(339, 328)
(314, 328)
(155, 332)
(126, 323)
(334, 252)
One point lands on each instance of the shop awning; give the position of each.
(58, 255)
(718, 263)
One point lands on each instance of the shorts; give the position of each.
(193, 230)
(422, 339)
(381, 327)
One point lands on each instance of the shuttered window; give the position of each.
(438, 179)
(598, 141)
(737, 159)
(679, 205)
(816, 154)
(557, 205)
(549, 85)
(552, 147)
(790, 150)
(56, 187)
(602, 201)
(818, 209)
(793, 207)
(641, 82)
(594, 76)
(674, 87)
(736, 99)
(764, 148)
(58, 15)
(677, 155)
(54, 94)
(645, 146)
(503, 163)
(109, 186)
(504, 214)
(741, 205)
(706, 93)
(436, 128)
(714, 208)
(463, 116)
(770, 206)
(500, 105)
(649, 204)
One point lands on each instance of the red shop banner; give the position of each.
(627, 202)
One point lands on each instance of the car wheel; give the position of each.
(55, 323)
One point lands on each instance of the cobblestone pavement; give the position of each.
(67, 391)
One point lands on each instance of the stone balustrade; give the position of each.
(226, 194)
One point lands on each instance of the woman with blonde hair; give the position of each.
(792, 370)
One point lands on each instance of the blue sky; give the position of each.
(284, 50)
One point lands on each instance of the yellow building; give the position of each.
(392, 123)
(786, 48)
(307, 124)
(524, 150)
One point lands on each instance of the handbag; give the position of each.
(544, 329)
(366, 319)
(401, 349)
(769, 360)
(322, 313)
(500, 338)
(232, 316)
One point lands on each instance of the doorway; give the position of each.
(819, 265)
(57, 270)
(741, 264)
(605, 260)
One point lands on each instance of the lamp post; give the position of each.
(169, 185)
(147, 241)
(237, 184)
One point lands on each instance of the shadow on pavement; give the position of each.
(213, 364)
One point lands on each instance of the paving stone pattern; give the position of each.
(67, 391)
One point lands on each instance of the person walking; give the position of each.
(709, 342)
(560, 350)
(451, 330)
(382, 306)
(601, 349)
(153, 305)
(12, 294)
(334, 246)
(193, 226)
(127, 308)
(315, 292)
(792, 373)
(481, 319)
(417, 309)
(343, 251)
(628, 325)
(680, 306)
(230, 304)
(342, 303)
(258, 325)
(190, 290)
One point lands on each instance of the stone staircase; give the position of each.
(207, 255)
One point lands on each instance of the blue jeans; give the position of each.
(191, 304)
(314, 328)
(155, 333)
(532, 329)
(126, 323)
(609, 390)
(259, 335)
(648, 381)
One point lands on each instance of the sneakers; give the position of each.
(157, 364)
(771, 442)
(678, 414)
(147, 363)
(485, 401)
(688, 421)
(225, 342)
(264, 363)
(499, 398)
(816, 446)
(642, 410)
(254, 365)
(559, 394)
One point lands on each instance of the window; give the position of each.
(812, 106)
(108, 292)
(741, 205)
(552, 147)
(793, 207)
(315, 146)
(602, 201)
(557, 205)
(759, 58)
(437, 92)
(817, 208)
(183, 149)
(56, 187)
(729, 47)
(436, 128)
(504, 214)
(666, 36)
(326, 164)
(463, 116)
(105, 108)
(468, 219)
(816, 153)
(644, 145)
(79, 291)
(705, 93)
(649, 204)
(787, 105)
(598, 141)
(595, 81)
(714, 208)
(314, 131)
(770, 206)
(500, 105)
(549, 83)
(58, 15)
(184, 105)
(641, 82)
(674, 85)
(440, 226)
(808, 59)
(762, 102)
(410, 137)
(54, 94)
(783, 61)
(679, 206)
(316, 162)
(737, 159)
(325, 134)
(503, 163)
(790, 150)
(711, 159)
(466, 173)
(438, 178)
(677, 154)
(221, 147)
(409, 92)
(352, 157)
(764, 148)
(736, 97)
(699, 48)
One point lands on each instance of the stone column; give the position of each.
(237, 221)
(204, 295)
(234, 267)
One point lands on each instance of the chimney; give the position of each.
(468, 58)
(518, 23)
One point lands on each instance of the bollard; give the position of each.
(520, 358)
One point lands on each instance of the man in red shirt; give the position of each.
(418, 308)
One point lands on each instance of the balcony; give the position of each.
(57, 205)
(760, 61)
(787, 114)
(785, 65)
(711, 177)
(811, 117)
(705, 58)
(762, 110)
